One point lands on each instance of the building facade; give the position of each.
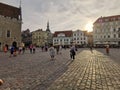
(63, 38)
(106, 30)
(26, 37)
(10, 25)
(90, 38)
(80, 38)
(39, 37)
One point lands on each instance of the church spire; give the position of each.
(48, 27)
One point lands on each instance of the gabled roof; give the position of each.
(107, 19)
(67, 33)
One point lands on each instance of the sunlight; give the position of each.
(89, 26)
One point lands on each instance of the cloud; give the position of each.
(64, 14)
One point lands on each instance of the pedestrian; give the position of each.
(34, 48)
(23, 49)
(5, 48)
(60, 49)
(107, 49)
(52, 52)
(57, 49)
(11, 51)
(31, 47)
(72, 52)
(20, 49)
(91, 49)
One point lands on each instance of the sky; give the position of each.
(64, 14)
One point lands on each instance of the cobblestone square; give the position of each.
(89, 71)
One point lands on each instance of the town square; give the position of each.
(59, 45)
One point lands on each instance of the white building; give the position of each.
(62, 38)
(80, 37)
(106, 30)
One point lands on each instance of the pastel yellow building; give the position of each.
(39, 37)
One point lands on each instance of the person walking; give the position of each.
(34, 48)
(12, 51)
(72, 52)
(91, 49)
(52, 52)
(31, 47)
(107, 49)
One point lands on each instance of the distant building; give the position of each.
(106, 30)
(42, 38)
(62, 38)
(90, 38)
(39, 37)
(26, 37)
(80, 38)
(10, 25)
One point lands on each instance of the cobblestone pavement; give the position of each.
(28, 71)
(89, 71)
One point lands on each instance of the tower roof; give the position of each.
(48, 29)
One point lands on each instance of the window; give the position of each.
(114, 35)
(118, 29)
(108, 36)
(114, 29)
(104, 36)
(119, 35)
(61, 40)
(8, 33)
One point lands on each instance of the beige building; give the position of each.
(90, 38)
(106, 30)
(10, 25)
(39, 37)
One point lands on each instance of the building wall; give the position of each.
(14, 26)
(39, 37)
(107, 32)
(62, 41)
(80, 38)
(90, 38)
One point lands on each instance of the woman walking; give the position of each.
(52, 52)
(72, 52)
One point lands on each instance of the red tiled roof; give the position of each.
(107, 19)
(67, 33)
(9, 11)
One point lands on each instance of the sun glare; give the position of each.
(89, 27)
